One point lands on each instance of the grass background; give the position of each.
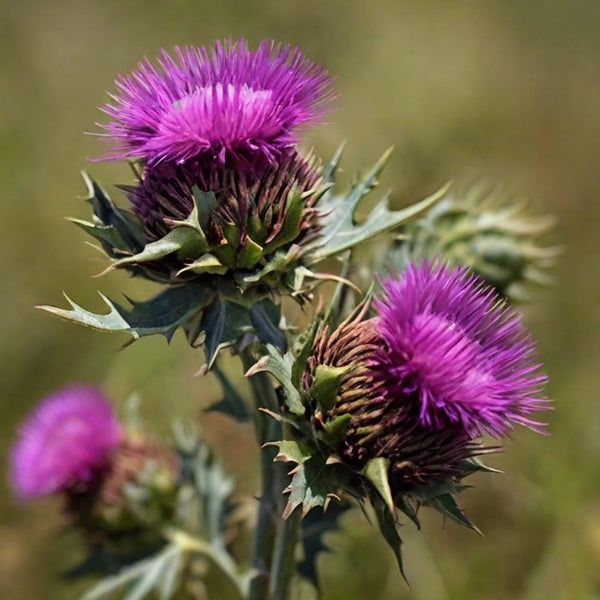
(505, 90)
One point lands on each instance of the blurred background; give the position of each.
(505, 90)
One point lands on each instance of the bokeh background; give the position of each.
(505, 90)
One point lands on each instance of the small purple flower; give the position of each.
(228, 105)
(456, 350)
(65, 443)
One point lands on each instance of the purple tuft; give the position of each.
(456, 350)
(65, 442)
(228, 105)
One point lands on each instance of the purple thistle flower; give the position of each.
(229, 105)
(443, 361)
(453, 348)
(65, 443)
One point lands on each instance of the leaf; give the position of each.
(232, 404)
(265, 316)
(376, 471)
(386, 521)
(223, 322)
(280, 366)
(183, 240)
(207, 263)
(125, 232)
(315, 525)
(339, 231)
(313, 481)
(291, 451)
(325, 385)
(159, 315)
(446, 505)
(144, 577)
(291, 224)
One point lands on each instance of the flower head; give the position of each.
(457, 351)
(65, 443)
(443, 361)
(227, 105)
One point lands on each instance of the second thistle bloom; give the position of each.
(442, 362)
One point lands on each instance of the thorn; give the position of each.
(257, 367)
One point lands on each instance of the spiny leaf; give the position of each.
(291, 451)
(339, 231)
(376, 471)
(224, 322)
(183, 240)
(265, 316)
(280, 366)
(315, 525)
(446, 505)
(119, 220)
(312, 485)
(388, 528)
(161, 314)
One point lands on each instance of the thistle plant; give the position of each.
(385, 395)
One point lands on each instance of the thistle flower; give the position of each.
(443, 361)
(229, 105)
(65, 444)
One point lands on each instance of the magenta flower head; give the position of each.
(228, 105)
(443, 361)
(65, 443)
(453, 348)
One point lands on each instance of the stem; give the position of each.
(272, 483)
(284, 564)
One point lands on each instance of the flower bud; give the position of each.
(480, 230)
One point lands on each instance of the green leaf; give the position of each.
(213, 485)
(250, 254)
(339, 231)
(224, 323)
(473, 464)
(207, 263)
(183, 240)
(302, 349)
(291, 451)
(280, 366)
(386, 521)
(232, 404)
(126, 231)
(376, 471)
(265, 316)
(325, 385)
(335, 430)
(161, 314)
(315, 525)
(144, 577)
(312, 485)
(446, 505)
(291, 224)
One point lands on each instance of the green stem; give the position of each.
(284, 563)
(272, 483)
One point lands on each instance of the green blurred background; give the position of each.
(505, 90)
